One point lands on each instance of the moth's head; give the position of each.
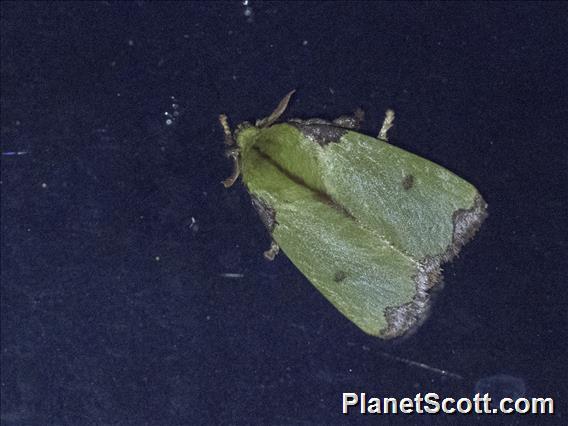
(242, 139)
(245, 135)
(238, 144)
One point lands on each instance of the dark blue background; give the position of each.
(114, 306)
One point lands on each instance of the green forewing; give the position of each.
(366, 222)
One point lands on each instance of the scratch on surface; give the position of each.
(422, 365)
(231, 275)
(14, 153)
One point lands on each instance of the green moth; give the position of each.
(369, 224)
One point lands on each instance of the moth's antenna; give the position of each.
(265, 122)
(227, 130)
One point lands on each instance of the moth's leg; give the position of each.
(231, 152)
(265, 122)
(234, 154)
(271, 253)
(387, 124)
(351, 121)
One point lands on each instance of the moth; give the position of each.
(367, 223)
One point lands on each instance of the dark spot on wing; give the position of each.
(319, 131)
(339, 276)
(408, 182)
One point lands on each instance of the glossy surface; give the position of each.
(133, 286)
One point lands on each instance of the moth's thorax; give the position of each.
(246, 136)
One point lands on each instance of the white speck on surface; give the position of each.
(194, 226)
(305, 43)
(157, 258)
(173, 111)
(248, 12)
(131, 42)
(44, 185)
